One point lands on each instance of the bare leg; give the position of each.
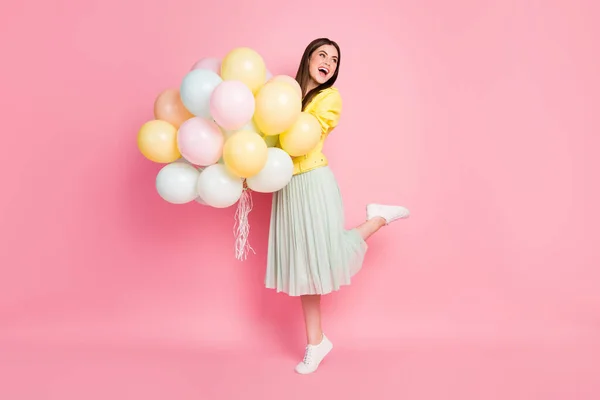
(311, 306)
(370, 227)
(318, 344)
(379, 215)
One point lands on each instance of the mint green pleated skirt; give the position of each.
(310, 251)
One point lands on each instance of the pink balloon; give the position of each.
(200, 141)
(232, 105)
(210, 63)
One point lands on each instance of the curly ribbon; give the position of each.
(241, 228)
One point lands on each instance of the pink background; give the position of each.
(480, 116)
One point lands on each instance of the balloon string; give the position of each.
(241, 228)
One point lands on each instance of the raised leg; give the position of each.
(370, 227)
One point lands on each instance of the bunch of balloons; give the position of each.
(229, 126)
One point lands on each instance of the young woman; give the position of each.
(310, 251)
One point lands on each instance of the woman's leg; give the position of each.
(311, 307)
(379, 215)
(318, 344)
(370, 227)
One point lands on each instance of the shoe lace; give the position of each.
(308, 355)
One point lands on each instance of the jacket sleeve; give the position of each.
(328, 110)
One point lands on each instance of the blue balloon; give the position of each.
(195, 91)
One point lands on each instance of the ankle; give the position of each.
(380, 221)
(315, 339)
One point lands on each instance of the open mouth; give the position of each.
(323, 71)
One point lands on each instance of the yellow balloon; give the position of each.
(245, 153)
(157, 141)
(277, 108)
(289, 80)
(302, 137)
(245, 65)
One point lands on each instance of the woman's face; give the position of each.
(323, 63)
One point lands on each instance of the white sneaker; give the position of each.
(313, 356)
(389, 213)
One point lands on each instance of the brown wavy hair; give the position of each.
(303, 74)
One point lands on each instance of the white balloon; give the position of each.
(218, 188)
(269, 75)
(196, 88)
(276, 173)
(177, 182)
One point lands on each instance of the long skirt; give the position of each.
(310, 251)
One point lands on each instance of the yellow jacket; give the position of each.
(327, 108)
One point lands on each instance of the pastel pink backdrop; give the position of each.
(479, 116)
